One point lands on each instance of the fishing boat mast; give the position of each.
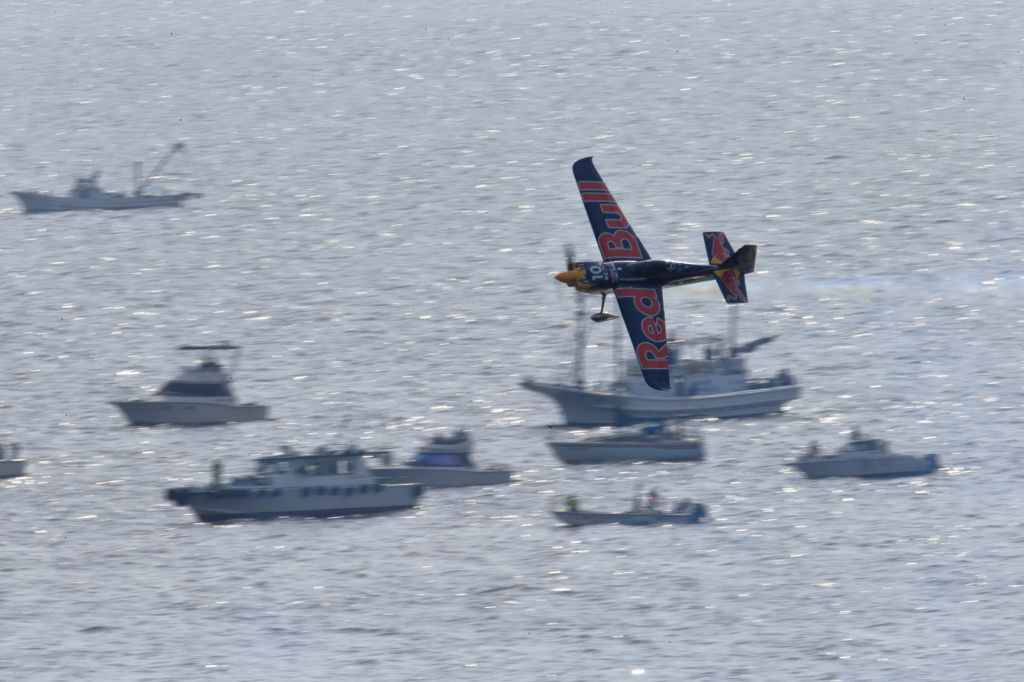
(137, 168)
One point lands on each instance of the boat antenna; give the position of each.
(580, 341)
(734, 318)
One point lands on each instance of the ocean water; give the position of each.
(387, 196)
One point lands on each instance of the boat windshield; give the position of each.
(430, 459)
(188, 388)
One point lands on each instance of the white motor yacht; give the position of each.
(864, 458)
(651, 443)
(200, 394)
(444, 462)
(326, 483)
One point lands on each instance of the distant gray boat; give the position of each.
(685, 513)
(864, 458)
(10, 468)
(86, 194)
(661, 442)
(715, 385)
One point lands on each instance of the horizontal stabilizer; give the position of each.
(730, 277)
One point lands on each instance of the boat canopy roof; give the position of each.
(321, 453)
(864, 444)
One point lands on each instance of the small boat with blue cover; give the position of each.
(444, 462)
(642, 514)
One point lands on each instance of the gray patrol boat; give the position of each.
(713, 384)
(864, 458)
(86, 193)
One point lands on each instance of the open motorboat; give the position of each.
(641, 514)
(864, 458)
(200, 394)
(652, 443)
(326, 483)
(86, 193)
(13, 466)
(443, 462)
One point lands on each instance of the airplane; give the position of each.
(637, 280)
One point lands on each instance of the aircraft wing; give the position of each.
(643, 311)
(615, 237)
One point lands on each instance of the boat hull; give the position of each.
(226, 503)
(891, 466)
(595, 453)
(9, 468)
(442, 477)
(641, 518)
(46, 203)
(188, 413)
(583, 407)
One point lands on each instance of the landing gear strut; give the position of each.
(603, 316)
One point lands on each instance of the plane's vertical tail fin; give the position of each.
(734, 265)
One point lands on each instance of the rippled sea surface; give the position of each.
(388, 191)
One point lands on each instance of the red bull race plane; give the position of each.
(637, 280)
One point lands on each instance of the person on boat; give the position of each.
(652, 500)
(856, 435)
(572, 503)
(813, 450)
(1, 451)
(15, 450)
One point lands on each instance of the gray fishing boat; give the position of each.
(714, 383)
(87, 194)
(443, 462)
(663, 442)
(864, 458)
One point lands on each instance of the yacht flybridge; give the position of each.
(200, 394)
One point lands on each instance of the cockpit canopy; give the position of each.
(195, 389)
(437, 459)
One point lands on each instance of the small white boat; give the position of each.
(683, 513)
(201, 394)
(652, 443)
(9, 468)
(444, 462)
(86, 194)
(327, 483)
(864, 458)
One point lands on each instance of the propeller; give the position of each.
(570, 256)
